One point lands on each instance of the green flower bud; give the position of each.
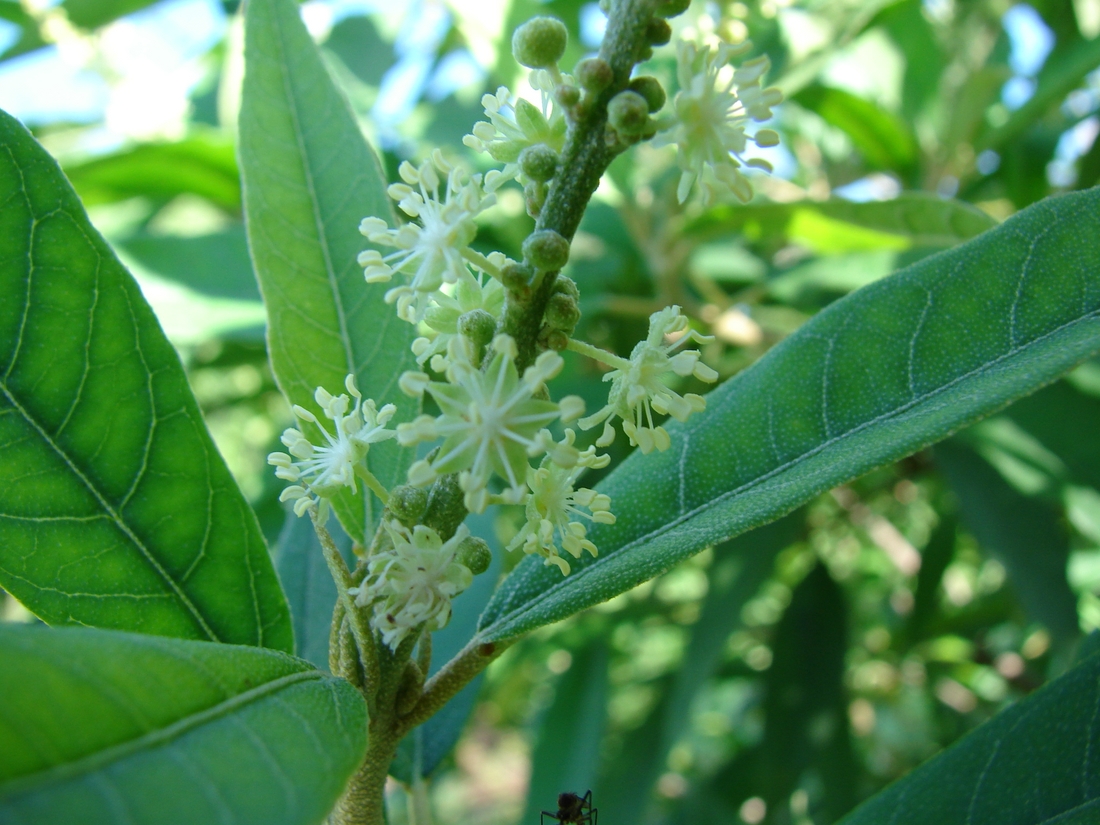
(517, 279)
(534, 196)
(409, 689)
(478, 325)
(568, 96)
(672, 8)
(650, 88)
(562, 312)
(567, 286)
(474, 554)
(594, 74)
(553, 339)
(540, 42)
(658, 32)
(628, 113)
(408, 503)
(538, 162)
(546, 250)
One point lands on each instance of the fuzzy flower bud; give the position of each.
(540, 42)
(628, 113)
(546, 250)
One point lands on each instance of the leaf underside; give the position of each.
(878, 375)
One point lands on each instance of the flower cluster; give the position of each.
(492, 429)
(637, 389)
(411, 584)
(715, 105)
(319, 472)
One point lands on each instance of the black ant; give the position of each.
(572, 810)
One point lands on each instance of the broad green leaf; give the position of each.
(740, 567)
(878, 375)
(117, 510)
(1064, 420)
(91, 14)
(202, 165)
(883, 138)
(934, 559)
(568, 748)
(29, 37)
(310, 591)
(911, 219)
(1022, 532)
(1032, 763)
(107, 727)
(309, 178)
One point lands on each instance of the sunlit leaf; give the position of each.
(117, 510)
(107, 727)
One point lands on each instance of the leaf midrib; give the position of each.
(156, 738)
(511, 618)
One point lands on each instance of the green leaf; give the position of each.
(107, 727)
(91, 14)
(117, 510)
(309, 178)
(1033, 763)
(568, 749)
(740, 567)
(216, 264)
(1022, 532)
(309, 587)
(203, 165)
(883, 138)
(878, 375)
(913, 219)
(1064, 420)
(29, 37)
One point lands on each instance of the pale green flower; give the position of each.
(715, 105)
(437, 249)
(554, 506)
(441, 317)
(491, 421)
(320, 471)
(637, 390)
(412, 584)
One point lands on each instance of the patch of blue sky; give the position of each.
(9, 34)
(874, 187)
(593, 23)
(1031, 42)
(456, 70)
(43, 87)
(422, 31)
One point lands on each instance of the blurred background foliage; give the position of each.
(788, 674)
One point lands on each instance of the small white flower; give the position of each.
(554, 505)
(636, 386)
(319, 472)
(435, 251)
(442, 315)
(490, 423)
(714, 106)
(412, 584)
(515, 123)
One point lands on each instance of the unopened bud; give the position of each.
(546, 250)
(568, 96)
(477, 325)
(540, 42)
(628, 113)
(408, 503)
(658, 32)
(594, 74)
(650, 88)
(517, 278)
(672, 8)
(410, 688)
(474, 554)
(562, 312)
(567, 286)
(538, 162)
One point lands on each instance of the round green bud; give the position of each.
(554, 339)
(650, 88)
(408, 503)
(567, 286)
(594, 74)
(540, 42)
(672, 8)
(562, 312)
(517, 279)
(658, 32)
(628, 113)
(568, 96)
(534, 197)
(478, 325)
(546, 250)
(474, 553)
(538, 162)
(605, 7)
